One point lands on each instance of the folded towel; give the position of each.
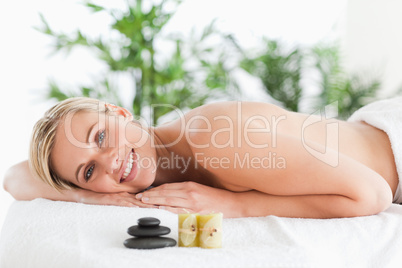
(387, 116)
(43, 233)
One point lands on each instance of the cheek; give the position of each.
(101, 186)
(104, 189)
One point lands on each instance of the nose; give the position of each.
(109, 159)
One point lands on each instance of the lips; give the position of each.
(129, 167)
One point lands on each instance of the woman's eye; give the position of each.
(101, 137)
(89, 173)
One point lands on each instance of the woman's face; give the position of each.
(104, 153)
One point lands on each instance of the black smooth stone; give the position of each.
(148, 222)
(141, 231)
(149, 242)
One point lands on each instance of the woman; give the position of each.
(241, 158)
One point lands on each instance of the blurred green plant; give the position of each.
(197, 70)
(336, 85)
(200, 67)
(281, 70)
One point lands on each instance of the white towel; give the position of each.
(387, 116)
(43, 233)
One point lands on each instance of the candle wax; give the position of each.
(210, 230)
(188, 230)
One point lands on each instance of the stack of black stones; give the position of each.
(147, 235)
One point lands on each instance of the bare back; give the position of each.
(244, 125)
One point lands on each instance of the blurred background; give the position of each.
(300, 55)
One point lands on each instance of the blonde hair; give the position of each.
(44, 133)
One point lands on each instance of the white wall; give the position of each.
(25, 65)
(373, 40)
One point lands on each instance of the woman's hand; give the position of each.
(190, 197)
(113, 199)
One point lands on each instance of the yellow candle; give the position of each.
(188, 230)
(210, 230)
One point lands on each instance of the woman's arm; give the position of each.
(22, 185)
(196, 198)
(192, 197)
(254, 204)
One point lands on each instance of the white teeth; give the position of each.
(129, 166)
(128, 169)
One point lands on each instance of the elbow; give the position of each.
(10, 182)
(382, 199)
(369, 201)
(5, 185)
(373, 202)
(6, 181)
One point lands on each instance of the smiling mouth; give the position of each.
(129, 167)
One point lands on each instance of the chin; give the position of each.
(144, 179)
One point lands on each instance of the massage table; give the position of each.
(43, 233)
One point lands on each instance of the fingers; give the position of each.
(173, 195)
(129, 200)
(137, 203)
(162, 192)
(170, 201)
(174, 186)
(165, 197)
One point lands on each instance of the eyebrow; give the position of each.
(87, 140)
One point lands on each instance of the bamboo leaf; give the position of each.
(93, 7)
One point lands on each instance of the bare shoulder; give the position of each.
(225, 126)
(228, 107)
(236, 111)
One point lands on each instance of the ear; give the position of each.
(120, 111)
